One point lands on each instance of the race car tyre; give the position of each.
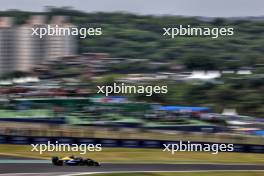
(56, 161)
(96, 164)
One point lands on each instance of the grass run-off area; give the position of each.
(260, 173)
(132, 155)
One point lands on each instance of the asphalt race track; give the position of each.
(40, 167)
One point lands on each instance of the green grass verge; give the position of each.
(26, 113)
(141, 155)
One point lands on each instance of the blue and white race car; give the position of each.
(73, 161)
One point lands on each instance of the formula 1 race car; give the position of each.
(73, 161)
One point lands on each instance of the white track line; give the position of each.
(118, 172)
(124, 172)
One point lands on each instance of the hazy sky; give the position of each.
(212, 8)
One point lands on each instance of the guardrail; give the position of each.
(122, 143)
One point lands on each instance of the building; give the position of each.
(30, 50)
(7, 45)
(21, 51)
(59, 45)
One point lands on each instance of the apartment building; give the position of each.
(7, 45)
(20, 51)
(60, 46)
(30, 50)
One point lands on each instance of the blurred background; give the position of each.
(214, 85)
(48, 86)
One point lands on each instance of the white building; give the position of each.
(21, 51)
(7, 45)
(30, 50)
(60, 46)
